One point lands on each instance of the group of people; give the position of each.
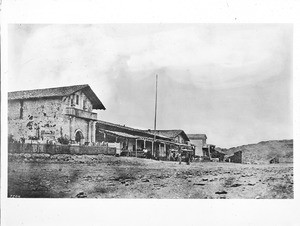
(179, 155)
(187, 157)
(173, 156)
(147, 153)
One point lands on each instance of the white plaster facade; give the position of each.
(50, 118)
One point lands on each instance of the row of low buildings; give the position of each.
(66, 114)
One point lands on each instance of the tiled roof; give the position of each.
(57, 92)
(145, 135)
(121, 134)
(130, 130)
(170, 133)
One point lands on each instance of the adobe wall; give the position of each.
(83, 102)
(45, 118)
(82, 125)
(40, 118)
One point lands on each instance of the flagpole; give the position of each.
(155, 112)
(155, 103)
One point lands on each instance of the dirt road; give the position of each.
(100, 176)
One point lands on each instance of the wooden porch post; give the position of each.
(135, 147)
(152, 148)
(93, 132)
(127, 147)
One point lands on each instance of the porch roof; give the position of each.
(126, 135)
(120, 134)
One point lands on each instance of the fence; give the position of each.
(53, 149)
(139, 154)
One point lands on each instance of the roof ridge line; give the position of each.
(59, 87)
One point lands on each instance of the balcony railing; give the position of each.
(81, 113)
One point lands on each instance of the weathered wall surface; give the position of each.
(40, 118)
(82, 103)
(82, 125)
(45, 119)
(13, 110)
(199, 143)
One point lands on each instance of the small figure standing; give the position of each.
(188, 158)
(174, 156)
(145, 152)
(179, 158)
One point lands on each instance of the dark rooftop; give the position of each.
(57, 92)
(170, 133)
(130, 130)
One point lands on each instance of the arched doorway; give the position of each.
(79, 138)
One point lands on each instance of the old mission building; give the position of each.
(54, 113)
(65, 116)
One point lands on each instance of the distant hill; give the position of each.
(264, 151)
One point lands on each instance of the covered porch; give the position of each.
(140, 146)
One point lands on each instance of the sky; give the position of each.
(232, 82)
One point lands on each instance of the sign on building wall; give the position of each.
(47, 134)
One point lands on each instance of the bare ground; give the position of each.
(67, 176)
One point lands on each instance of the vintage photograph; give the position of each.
(150, 111)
